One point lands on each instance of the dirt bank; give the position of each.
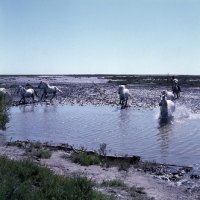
(152, 185)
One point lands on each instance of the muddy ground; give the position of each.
(97, 91)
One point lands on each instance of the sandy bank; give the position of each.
(152, 185)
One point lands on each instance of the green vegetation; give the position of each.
(87, 158)
(35, 149)
(102, 149)
(83, 158)
(190, 80)
(43, 153)
(114, 182)
(136, 193)
(4, 106)
(24, 180)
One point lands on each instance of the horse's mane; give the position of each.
(122, 86)
(45, 82)
(164, 92)
(165, 102)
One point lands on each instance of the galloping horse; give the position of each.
(175, 88)
(123, 95)
(166, 107)
(26, 93)
(48, 89)
(169, 95)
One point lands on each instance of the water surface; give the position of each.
(125, 131)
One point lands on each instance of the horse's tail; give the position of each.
(59, 90)
(179, 88)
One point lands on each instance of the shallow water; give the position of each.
(125, 131)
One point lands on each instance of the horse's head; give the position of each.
(40, 84)
(19, 89)
(164, 92)
(120, 88)
(43, 85)
(163, 101)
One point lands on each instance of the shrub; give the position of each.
(85, 159)
(24, 180)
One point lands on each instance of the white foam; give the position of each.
(182, 112)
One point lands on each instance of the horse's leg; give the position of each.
(24, 100)
(42, 96)
(33, 97)
(45, 94)
(126, 101)
(54, 94)
(20, 100)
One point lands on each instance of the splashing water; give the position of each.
(182, 113)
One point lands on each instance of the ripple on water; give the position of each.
(125, 131)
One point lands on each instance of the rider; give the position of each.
(176, 80)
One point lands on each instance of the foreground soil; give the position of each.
(152, 186)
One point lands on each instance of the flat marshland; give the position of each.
(31, 172)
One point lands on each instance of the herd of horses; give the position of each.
(166, 103)
(167, 106)
(47, 89)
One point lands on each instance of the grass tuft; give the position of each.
(114, 182)
(4, 106)
(85, 159)
(24, 180)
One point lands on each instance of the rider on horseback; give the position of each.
(176, 80)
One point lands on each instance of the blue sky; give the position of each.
(100, 37)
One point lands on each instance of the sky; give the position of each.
(100, 37)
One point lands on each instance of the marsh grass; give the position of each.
(35, 149)
(42, 153)
(114, 182)
(83, 158)
(148, 165)
(190, 80)
(24, 180)
(87, 158)
(135, 193)
(4, 107)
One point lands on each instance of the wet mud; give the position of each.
(98, 91)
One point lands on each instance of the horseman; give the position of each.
(176, 81)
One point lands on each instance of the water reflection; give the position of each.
(124, 122)
(165, 128)
(27, 108)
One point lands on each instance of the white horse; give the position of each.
(4, 91)
(175, 88)
(6, 94)
(167, 107)
(26, 93)
(48, 89)
(123, 94)
(169, 95)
